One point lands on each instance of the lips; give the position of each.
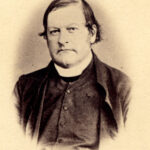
(65, 50)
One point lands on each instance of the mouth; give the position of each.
(66, 50)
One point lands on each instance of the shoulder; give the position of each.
(117, 76)
(119, 79)
(116, 83)
(110, 75)
(31, 81)
(119, 86)
(36, 75)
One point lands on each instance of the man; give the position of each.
(77, 100)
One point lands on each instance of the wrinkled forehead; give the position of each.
(70, 14)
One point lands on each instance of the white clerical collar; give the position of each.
(75, 70)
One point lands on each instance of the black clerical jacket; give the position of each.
(31, 89)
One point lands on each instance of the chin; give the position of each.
(66, 64)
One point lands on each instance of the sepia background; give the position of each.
(126, 45)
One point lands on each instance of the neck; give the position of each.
(75, 70)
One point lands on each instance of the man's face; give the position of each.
(68, 38)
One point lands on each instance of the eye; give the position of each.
(72, 29)
(54, 32)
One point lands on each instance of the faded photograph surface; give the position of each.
(77, 101)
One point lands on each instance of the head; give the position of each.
(70, 29)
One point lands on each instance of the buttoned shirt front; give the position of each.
(71, 111)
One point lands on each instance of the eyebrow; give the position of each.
(72, 24)
(52, 27)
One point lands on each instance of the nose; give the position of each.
(63, 37)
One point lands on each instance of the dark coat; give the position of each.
(31, 88)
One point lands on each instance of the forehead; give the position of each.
(71, 14)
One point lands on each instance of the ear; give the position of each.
(93, 34)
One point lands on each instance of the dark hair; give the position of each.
(87, 10)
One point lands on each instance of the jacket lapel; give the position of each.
(108, 124)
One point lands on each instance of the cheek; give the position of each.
(79, 40)
(52, 44)
(84, 38)
(82, 42)
(52, 48)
